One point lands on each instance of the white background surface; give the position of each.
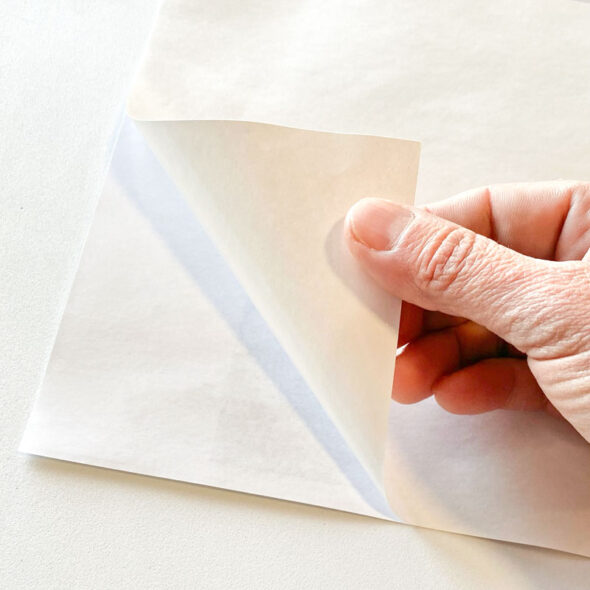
(64, 70)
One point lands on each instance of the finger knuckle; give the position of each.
(560, 311)
(442, 262)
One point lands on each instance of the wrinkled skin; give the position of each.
(496, 296)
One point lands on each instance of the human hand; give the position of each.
(496, 296)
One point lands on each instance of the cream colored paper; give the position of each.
(163, 366)
(274, 199)
(495, 91)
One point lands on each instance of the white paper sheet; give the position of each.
(274, 200)
(496, 91)
(163, 366)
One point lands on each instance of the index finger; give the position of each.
(547, 220)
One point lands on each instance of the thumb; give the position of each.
(438, 265)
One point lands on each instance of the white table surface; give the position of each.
(64, 71)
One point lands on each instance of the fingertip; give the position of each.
(349, 237)
(377, 223)
(408, 381)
